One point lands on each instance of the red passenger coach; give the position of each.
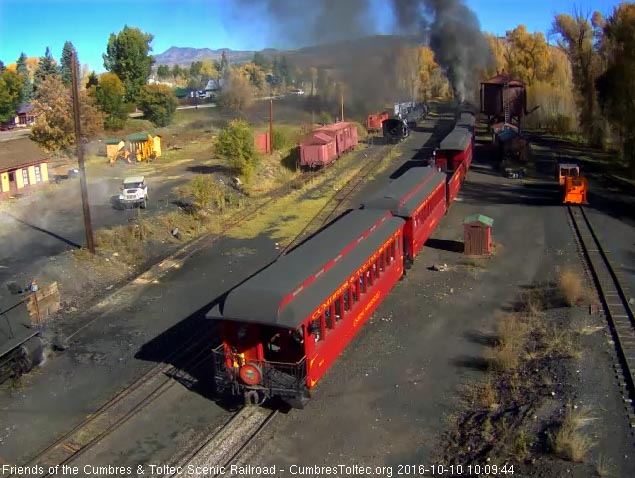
(455, 181)
(319, 149)
(456, 148)
(418, 196)
(283, 328)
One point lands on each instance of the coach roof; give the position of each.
(457, 140)
(405, 194)
(276, 295)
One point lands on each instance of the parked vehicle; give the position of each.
(134, 193)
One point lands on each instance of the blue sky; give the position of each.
(32, 25)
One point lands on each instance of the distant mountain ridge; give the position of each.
(322, 54)
(184, 56)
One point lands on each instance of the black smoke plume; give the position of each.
(453, 33)
(449, 27)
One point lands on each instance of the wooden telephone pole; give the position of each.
(342, 101)
(80, 157)
(271, 145)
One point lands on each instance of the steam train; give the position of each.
(284, 327)
(397, 127)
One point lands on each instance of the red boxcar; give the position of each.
(284, 327)
(319, 149)
(374, 122)
(418, 196)
(345, 135)
(455, 148)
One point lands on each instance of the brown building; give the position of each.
(503, 99)
(23, 165)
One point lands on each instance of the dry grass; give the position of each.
(533, 304)
(270, 175)
(569, 442)
(521, 446)
(585, 325)
(512, 335)
(560, 343)
(189, 225)
(604, 467)
(571, 287)
(125, 241)
(481, 395)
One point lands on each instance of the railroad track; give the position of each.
(158, 380)
(614, 301)
(124, 405)
(225, 447)
(333, 206)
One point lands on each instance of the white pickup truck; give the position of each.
(134, 192)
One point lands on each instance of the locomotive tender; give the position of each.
(283, 328)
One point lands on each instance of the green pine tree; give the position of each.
(92, 80)
(46, 67)
(26, 93)
(66, 63)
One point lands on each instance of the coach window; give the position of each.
(315, 329)
(376, 268)
(328, 318)
(381, 261)
(338, 309)
(355, 289)
(370, 278)
(347, 300)
(387, 254)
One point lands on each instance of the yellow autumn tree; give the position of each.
(255, 74)
(208, 70)
(497, 47)
(427, 67)
(527, 55)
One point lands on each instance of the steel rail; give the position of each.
(140, 393)
(224, 447)
(615, 303)
(123, 406)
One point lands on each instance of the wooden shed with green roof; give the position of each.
(477, 235)
(144, 145)
(113, 146)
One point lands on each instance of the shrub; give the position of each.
(158, 104)
(281, 140)
(204, 189)
(235, 143)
